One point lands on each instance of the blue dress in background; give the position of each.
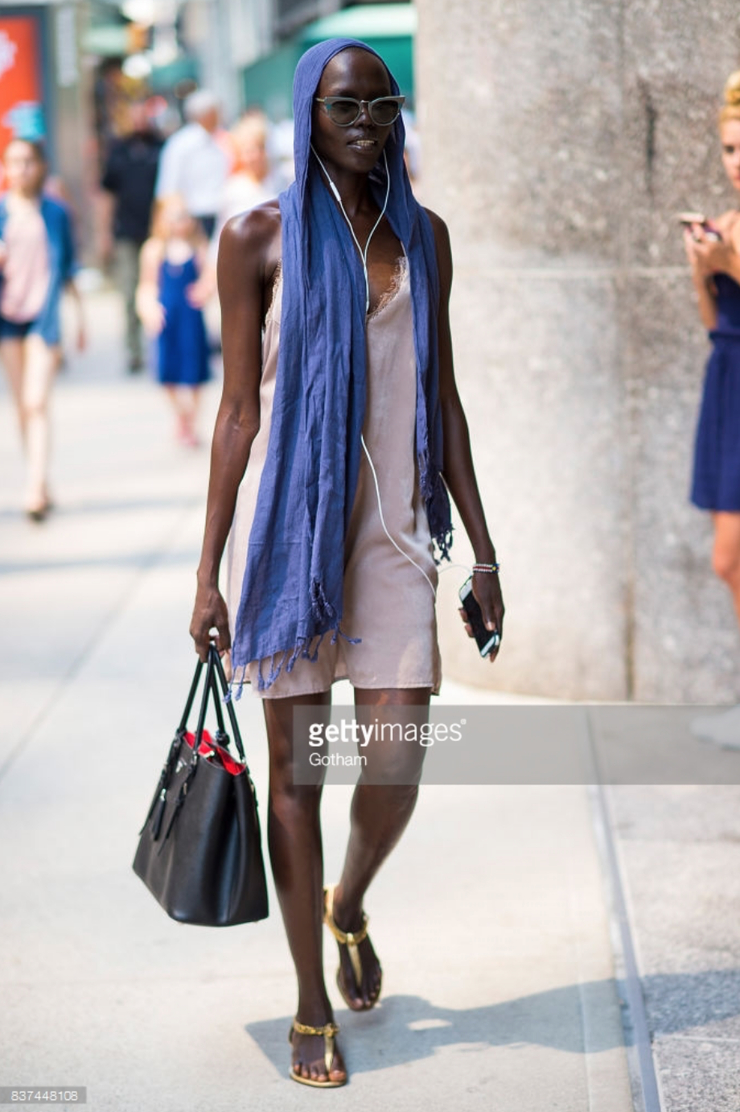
(716, 481)
(182, 345)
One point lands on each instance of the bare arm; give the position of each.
(81, 337)
(702, 277)
(104, 210)
(148, 306)
(708, 257)
(458, 470)
(246, 260)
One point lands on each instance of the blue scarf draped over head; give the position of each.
(292, 589)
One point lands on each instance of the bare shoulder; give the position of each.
(152, 250)
(150, 258)
(256, 233)
(442, 244)
(440, 229)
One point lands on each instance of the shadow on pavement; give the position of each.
(408, 1028)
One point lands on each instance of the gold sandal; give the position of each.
(329, 1031)
(350, 939)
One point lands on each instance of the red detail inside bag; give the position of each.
(213, 752)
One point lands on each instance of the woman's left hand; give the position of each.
(198, 293)
(713, 256)
(487, 592)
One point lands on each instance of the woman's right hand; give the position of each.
(210, 613)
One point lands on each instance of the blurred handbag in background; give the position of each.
(200, 852)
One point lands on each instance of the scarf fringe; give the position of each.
(321, 608)
(437, 501)
(285, 659)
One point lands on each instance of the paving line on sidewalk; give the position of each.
(646, 1091)
(149, 561)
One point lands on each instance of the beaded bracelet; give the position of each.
(492, 569)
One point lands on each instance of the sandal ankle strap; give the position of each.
(329, 1031)
(346, 938)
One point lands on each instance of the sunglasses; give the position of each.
(345, 111)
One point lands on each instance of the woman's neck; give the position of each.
(177, 249)
(19, 199)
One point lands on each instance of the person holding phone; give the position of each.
(339, 433)
(713, 250)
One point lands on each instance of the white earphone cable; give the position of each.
(385, 528)
(363, 254)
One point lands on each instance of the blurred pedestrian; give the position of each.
(193, 164)
(36, 263)
(251, 180)
(173, 287)
(339, 433)
(128, 182)
(713, 250)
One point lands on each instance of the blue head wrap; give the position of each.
(292, 588)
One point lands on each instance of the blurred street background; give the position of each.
(543, 947)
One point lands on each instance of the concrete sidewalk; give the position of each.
(490, 918)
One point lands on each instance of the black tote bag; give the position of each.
(200, 851)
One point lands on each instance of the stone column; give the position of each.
(559, 140)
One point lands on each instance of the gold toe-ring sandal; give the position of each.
(330, 1032)
(350, 939)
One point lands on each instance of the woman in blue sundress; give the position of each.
(713, 249)
(169, 300)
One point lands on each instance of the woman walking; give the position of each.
(341, 415)
(36, 263)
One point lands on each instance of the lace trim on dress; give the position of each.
(396, 282)
(276, 284)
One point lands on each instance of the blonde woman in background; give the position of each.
(174, 284)
(713, 249)
(251, 181)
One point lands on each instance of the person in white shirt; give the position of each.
(192, 164)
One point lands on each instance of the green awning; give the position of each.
(387, 28)
(365, 21)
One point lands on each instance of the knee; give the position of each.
(294, 803)
(33, 405)
(393, 799)
(726, 564)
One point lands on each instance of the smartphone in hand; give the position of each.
(692, 219)
(486, 639)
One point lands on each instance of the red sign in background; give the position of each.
(21, 110)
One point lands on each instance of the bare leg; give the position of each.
(726, 553)
(40, 363)
(11, 353)
(189, 398)
(294, 838)
(184, 401)
(379, 815)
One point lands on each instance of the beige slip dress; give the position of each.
(388, 603)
